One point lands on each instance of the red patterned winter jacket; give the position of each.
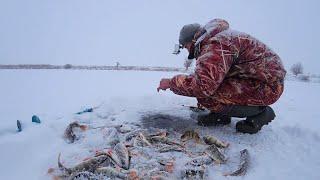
(231, 68)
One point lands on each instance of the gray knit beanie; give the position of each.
(187, 33)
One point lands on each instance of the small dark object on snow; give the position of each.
(85, 111)
(243, 166)
(36, 119)
(19, 126)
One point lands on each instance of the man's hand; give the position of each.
(164, 84)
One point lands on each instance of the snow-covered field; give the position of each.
(288, 148)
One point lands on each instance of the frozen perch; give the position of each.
(243, 166)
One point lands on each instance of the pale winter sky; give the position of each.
(144, 32)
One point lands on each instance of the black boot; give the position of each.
(213, 119)
(254, 122)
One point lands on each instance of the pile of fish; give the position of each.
(132, 152)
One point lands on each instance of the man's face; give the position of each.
(188, 46)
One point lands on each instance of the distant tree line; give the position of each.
(297, 70)
(93, 67)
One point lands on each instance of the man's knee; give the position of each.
(230, 109)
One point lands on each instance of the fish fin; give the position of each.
(133, 174)
(56, 177)
(86, 158)
(50, 170)
(227, 144)
(83, 127)
(226, 174)
(59, 162)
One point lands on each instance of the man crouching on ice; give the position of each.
(236, 75)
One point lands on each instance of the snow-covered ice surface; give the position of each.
(288, 148)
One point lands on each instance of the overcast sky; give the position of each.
(144, 32)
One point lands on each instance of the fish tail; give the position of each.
(61, 166)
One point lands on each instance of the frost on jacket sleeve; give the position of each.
(212, 66)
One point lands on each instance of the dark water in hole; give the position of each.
(166, 121)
